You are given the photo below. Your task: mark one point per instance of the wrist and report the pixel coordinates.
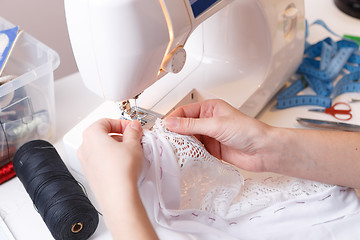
(128, 214)
(118, 203)
(279, 144)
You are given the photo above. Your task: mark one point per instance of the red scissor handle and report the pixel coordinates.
(340, 114)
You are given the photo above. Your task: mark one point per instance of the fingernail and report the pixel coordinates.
(172, 122)
(136, 125)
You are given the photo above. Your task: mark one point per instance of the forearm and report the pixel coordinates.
(326, 156)
(125, 214)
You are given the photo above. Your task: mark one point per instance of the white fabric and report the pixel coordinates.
(189, 194)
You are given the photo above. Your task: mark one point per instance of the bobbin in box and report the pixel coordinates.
(27, 102)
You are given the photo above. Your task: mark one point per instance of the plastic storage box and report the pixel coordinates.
(27, 103)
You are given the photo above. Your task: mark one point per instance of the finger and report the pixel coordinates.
(133, 131)
(191, 110)
(108, 125)
(212, 146)
(117, 137)
(193, 126)
(196, 110)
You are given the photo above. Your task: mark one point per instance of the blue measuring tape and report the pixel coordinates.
(322, 64)
(348, 83)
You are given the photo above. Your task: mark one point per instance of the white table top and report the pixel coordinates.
(74, 102)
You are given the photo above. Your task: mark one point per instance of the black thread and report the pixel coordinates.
(57, 196)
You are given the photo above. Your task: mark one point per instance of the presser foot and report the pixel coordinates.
(146, 117)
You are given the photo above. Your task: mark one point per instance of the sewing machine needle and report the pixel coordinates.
(136, 108)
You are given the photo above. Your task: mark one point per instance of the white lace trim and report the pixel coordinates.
(208, 184)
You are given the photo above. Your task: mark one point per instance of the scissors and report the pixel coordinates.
(337, 111)
(328, 124)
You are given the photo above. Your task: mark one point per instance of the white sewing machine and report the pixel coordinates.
(165, 50)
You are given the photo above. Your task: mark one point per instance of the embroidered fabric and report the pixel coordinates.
(213, 186)
(186, 190)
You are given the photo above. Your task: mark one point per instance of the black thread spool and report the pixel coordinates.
(58, 197)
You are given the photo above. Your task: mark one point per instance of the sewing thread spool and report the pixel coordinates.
(58, 197)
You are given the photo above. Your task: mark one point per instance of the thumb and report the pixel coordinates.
(133, 131)
(190, 126)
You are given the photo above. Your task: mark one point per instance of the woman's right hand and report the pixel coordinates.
(226, 133)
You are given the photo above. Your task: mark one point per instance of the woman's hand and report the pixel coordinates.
(325, 156)
(111, 149)
(111, 157)
(226, 133)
